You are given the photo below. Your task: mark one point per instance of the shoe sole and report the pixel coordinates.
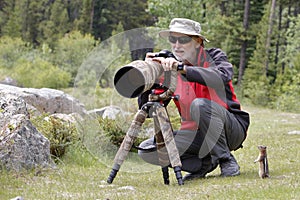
(229, 175)
(192, 177)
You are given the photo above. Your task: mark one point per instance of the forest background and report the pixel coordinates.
(49, 39)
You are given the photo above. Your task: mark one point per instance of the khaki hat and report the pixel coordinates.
(185, 26)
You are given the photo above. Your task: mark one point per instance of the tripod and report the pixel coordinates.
(165, 143)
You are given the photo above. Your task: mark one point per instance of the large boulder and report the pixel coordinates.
(46, 100)
(21, 145)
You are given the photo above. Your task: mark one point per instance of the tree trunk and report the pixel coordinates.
(269, 34)
(223, 8)
(204, 8)
(92, 16)
(279, 29)
(244, 44)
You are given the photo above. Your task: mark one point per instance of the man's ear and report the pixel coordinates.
(199, 42)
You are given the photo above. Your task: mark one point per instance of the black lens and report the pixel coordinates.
(181, 40)
(184, 39)
(172, 39)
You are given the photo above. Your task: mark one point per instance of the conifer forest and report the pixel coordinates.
(49, 39)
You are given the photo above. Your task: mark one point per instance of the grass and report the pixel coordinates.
(81, 176)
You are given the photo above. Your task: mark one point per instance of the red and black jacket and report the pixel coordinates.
(210, 79)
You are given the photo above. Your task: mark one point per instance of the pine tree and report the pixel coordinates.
(32, 15)
(84, 22)
(244, 42)
(12, 21)
(55, 24)
(256, 84)
(285, 93)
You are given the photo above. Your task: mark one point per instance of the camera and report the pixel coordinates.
(139, 76)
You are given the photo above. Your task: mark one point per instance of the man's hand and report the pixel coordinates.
(167, 63)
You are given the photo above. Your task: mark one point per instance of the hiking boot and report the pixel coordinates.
(229, 167)
(193, 176)
(206, 168)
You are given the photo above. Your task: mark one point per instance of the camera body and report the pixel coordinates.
(165, 54)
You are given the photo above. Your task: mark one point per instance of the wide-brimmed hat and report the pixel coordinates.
(185, 26)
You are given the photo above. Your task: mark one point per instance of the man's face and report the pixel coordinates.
(184, 47)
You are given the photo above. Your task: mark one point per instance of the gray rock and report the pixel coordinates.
(110, 112)
(295, 132)
(46, 100)
(72, 118)
(9, 81)
(17, 198)
(21, 145)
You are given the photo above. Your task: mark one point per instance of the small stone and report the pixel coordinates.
(294, 132)
(17, 198)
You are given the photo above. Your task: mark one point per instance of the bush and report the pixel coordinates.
(286, 93)
(39, 73)
(112, 129)
(117, 133)
(258, 91)
(61, 134)
(71, 51)
(11, 49)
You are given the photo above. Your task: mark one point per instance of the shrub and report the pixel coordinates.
(286, 92)
(112, 129)
(11, 49)
(61, 134)
(40, 73)
(116, 133)
(71, 50)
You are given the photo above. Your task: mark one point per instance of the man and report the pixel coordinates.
(212, 122)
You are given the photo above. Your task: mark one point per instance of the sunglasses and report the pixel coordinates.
(181, 40)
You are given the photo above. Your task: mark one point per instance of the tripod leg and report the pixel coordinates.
(113, 173)
(127, 143)
(168, 137)
(165, 172)
(177, 171)
(161, 151)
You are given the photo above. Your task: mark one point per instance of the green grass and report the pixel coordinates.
(80, 176)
